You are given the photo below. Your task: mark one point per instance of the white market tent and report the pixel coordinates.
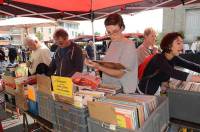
(25, 22)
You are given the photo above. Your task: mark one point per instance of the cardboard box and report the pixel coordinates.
(9, 83)
(103, 112)
(44, 84)
(21, 97)
(21, 102)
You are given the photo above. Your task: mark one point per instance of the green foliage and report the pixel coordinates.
(39, 35)
(159, 38)
(97, 33)
(138, 41)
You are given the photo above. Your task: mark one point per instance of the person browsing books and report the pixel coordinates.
(40, 55)
(161, 67)
(121, 51)
(90, 53)
(68, 58)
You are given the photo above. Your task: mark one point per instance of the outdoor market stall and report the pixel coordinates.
(66, 106)
(70, 103)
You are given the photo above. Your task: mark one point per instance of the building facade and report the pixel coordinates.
(183, 19)
(43, 33)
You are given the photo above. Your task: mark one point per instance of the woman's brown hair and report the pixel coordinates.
(115, 19)
(166, 43)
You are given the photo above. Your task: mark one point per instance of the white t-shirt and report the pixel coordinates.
(40, 55)
(123, 52)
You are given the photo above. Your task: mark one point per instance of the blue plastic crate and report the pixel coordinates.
(72, 128)
(46, 106)
(33, 107)
(71, 113)
(70, 119)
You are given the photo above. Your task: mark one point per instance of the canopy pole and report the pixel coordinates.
(93, 39)
(93, 34)
(26, 32)
(183, 2)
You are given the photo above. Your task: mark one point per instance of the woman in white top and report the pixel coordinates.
(121, 51)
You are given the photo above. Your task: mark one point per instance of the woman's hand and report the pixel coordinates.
(164, 87)
(194, 78)
(91, 64)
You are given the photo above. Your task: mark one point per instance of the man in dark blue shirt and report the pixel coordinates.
(90, 53)
(68, 58)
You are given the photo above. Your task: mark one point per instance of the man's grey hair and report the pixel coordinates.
(29, 38)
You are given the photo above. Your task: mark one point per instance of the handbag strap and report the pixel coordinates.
(148, 77)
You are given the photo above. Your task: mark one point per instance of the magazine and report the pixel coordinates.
(111, 65)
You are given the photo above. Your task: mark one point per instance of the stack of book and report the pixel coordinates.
(130, 111)
(183, 85)
(83, 96)
(85, 79)
(91, 82)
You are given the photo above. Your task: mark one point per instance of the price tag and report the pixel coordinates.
(62, 86)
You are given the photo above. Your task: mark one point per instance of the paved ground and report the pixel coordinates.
(10, 122)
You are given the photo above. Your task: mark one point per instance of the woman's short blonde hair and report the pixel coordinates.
(148, 31)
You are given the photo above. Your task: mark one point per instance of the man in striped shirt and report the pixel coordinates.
(148, 46)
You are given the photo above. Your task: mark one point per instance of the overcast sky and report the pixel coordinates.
(134, 23)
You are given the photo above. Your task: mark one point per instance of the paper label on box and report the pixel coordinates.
(121, 121)
(62, 86)
(31, 92)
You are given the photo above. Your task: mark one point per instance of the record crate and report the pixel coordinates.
(46, 106)
(184, 105)
(156, 122)
(70, 119)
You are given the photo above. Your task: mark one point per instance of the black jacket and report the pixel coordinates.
(71, 62)
(164, 70)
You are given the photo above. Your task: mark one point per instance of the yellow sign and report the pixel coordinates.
(62, 86)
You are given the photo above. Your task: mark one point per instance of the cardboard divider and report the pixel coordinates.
(44, 84)
(103, 112)
(21, 97)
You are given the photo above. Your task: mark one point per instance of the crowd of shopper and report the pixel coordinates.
(146, 68)
(157, 68)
